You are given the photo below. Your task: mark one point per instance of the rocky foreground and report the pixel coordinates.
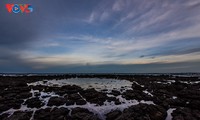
(162, 97)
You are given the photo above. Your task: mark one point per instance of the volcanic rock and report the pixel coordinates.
(83, 114)
(113, 115)
(57, 101)
(52, 114)
(143, 112)
(91, 95)
(34, 103)
(186, 114)
(20, 115)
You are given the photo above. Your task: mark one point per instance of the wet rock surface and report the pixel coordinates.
(13, 96)
(52, 114)
(57, 101)
(136, 94)
(19, 101)
(91, 95)
(34, 102)
(19, 115)
(139, 112)
(113, 115)
(186, 114)
(83, 114)
(76, 98)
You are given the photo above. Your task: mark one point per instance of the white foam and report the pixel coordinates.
(169, 112)
(190, 82)
(173, 81)
(138, 83)
(174, 97)
(148, 93)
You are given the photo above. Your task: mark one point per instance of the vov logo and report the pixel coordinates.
(19, 8)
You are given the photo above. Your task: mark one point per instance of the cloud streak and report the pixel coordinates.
(120, 34)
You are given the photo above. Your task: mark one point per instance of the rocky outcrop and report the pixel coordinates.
(34, 103)
(52, 114)
(113, 115)
(139, 112)
(57, 101)
(83, 114)
(91, 95)
(19, 115)
(186, 114)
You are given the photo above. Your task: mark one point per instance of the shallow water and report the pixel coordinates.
(85, 83)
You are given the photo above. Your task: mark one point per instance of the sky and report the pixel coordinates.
(101, 36)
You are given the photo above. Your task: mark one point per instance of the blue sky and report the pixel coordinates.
(101, 36)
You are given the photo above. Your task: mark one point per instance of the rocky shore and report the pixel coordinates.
(140, 97)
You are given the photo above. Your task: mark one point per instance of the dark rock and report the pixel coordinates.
(20, 115)
(104, 90)
(194, 104)
(38, 87)
(189, 94)
(16, 104)
(143, 112)
(60, 92)
(117, 102)
(51, 89)
(52, 114)
(76, 98)
(10, 103)
(137, 87)
(20, 84)
(34, 103)
(109, 99)
(91, 95)
(81, 102)
(23, 89)
(186, 114)
(10, 96)
(24, 95)
(15, 89)
(78, 109)
(167, 103)
(1, 99)
(44, 81)
(56, 101)
(129, 94)
(69, 102)
(43, 114)
(4, 116)
(4, 107)
(136, 94)
(115, 92)
(67, 89)
(37, 94)
(59, 114)
(83, 114)
(113, 115)
(70, 89)
(162, 92)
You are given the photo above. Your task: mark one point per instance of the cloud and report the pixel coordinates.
(147, 18)
(183, 47)
(114, 33)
